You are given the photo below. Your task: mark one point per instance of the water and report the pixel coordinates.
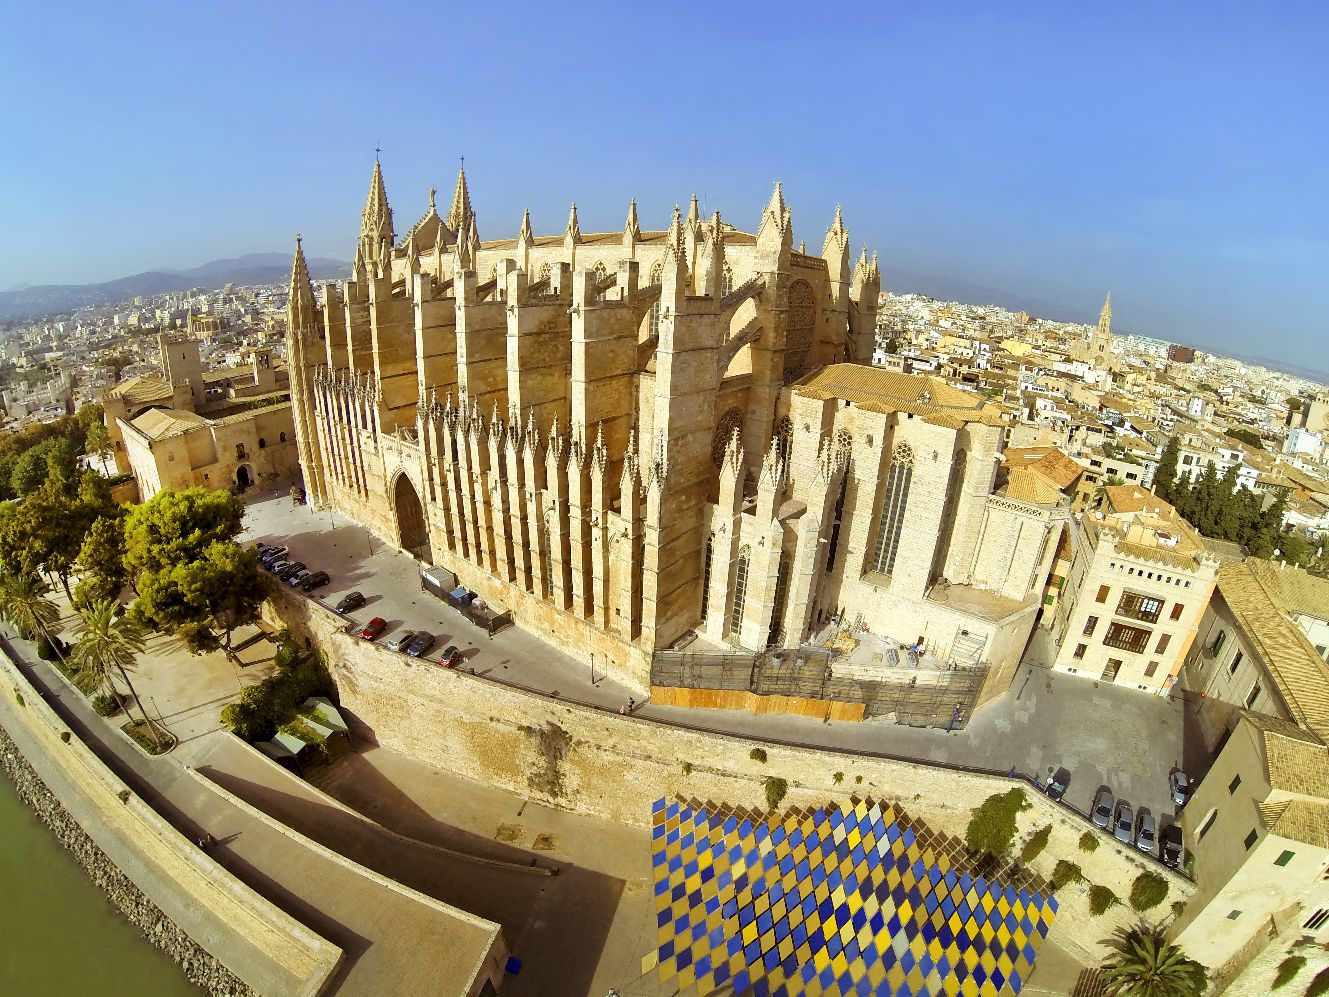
(59, 935)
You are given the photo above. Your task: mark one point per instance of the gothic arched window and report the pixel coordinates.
(740, 590)
(891, 524)
(733, 419)
(784, 434)
(727, 281)
(657, 272)
(706, 573)
(800, 323)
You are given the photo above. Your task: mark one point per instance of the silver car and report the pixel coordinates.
(1102, 813)
(399, 640)
(1125, 830)
(1146, 838)
(1181, 788)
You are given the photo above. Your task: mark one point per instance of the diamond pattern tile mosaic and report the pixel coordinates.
(854, 898)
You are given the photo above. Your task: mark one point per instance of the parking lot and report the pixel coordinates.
(1102, 735)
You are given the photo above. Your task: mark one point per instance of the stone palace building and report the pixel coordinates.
(628, 438)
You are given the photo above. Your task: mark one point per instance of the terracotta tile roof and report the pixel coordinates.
(1049, 462)
(1297, 766)
(880, 390)
(1299, 590)
(1301, 675)
(1301, 820)
(1027, 485)
(142, 389)
(159, 423)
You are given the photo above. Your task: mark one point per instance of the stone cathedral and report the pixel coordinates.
(628, 438)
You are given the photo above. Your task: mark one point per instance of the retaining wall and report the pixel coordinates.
(218, 928)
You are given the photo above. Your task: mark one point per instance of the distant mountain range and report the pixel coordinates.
(252, 268)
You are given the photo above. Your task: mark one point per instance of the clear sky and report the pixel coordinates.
(1175, 154)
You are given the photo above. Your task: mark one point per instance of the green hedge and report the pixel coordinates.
(992, 827)
(1100, 899)
(1148, 891)
(1036, 843)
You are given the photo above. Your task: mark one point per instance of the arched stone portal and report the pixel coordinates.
(412, 533)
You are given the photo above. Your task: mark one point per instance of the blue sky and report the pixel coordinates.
(1174, 154)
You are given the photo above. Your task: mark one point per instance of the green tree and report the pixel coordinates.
(53, 458)
(26, 606)
(992, 826)
(1143, 963)
(1165, 475)
(108, 645)
(97, 443)
(203, 599)
(1251, 439)
(101, 561)
(174, 528)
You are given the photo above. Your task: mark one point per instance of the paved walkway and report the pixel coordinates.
(1104, 736)
(383, 932)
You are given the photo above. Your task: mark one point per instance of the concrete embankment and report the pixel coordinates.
(228, 939)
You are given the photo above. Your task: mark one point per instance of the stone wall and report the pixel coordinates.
(216, 926)
(594, 761)
(199, 967)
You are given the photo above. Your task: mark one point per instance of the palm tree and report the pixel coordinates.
(107, 645)
(1144, 963)
(24, 606)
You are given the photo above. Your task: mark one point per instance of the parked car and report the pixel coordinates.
(290, 569)
(399, 640)
(270, 554)
(451, 656)
(350, 601)
(1171, 842)
(276, 564)
(299, 576)
(420, 644)
(1102, 814)
(373, 628)
(1181, 786)
(1057, 783)
(316, 580)
(1125, 829)
(1146, 838)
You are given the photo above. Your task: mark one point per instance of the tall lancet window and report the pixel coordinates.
(706, 574)
(891, 524)
(657, 274)
(740, 590)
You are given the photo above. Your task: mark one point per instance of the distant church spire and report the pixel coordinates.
(1105, 317)
(461, 205)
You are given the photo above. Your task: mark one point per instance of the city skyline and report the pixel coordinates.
(1067, 157)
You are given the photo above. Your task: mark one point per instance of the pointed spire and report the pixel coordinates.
(376, 220)
(631, 229)
(775, 220)
(573, 232)
(1105, 316)
(525, 235)
(674, 237)
(461, 204)
(300, 307)
(837, 236)
(694, 213)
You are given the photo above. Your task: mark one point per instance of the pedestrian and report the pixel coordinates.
(632, 704)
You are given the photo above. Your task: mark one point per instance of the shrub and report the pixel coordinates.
(65, 736)
(1178, 908)
(18, 698)
(1088, 842)
(1288, 970)
(1064, 873)
(1148, 891)
(263, 708)
(687, 768)
(838, 778)
(992, 827)
(1320, 985)
(1100, 899)
(858, 779)
(758, 755)
(105, 705)
(775, 792)
(1035, 845)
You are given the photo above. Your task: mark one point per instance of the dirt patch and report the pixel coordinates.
(544, 843)
(507, 832)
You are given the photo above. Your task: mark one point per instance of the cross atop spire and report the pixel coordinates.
(461, 203)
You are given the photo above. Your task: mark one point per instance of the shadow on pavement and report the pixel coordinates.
(557, 925)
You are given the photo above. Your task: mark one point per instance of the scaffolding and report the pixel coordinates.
(920, 697)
